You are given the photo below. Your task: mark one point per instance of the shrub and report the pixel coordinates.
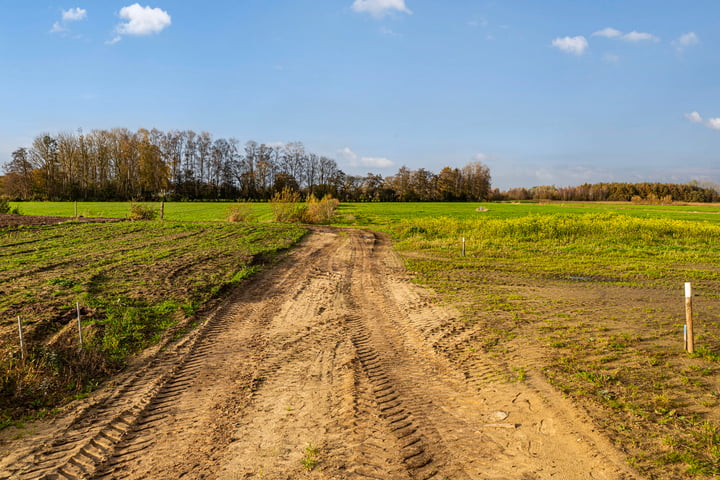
(287, 206)
(6, 208)
(142, 212)
(321, 211)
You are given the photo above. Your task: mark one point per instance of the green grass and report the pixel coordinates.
(174, 211)
(381, 214)
(387, 214)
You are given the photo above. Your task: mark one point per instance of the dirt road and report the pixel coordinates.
(326, 366)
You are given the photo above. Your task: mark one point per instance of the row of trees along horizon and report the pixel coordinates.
(120, 164)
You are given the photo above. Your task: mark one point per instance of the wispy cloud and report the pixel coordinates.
(380, 8)
(611, 58)
(353, 160)
(573, 45)
(68, 16)
(686, 40)
(376, 162)
(140, 21)
(633, 36)
(347, 155)
(388, 31)
(640, 37)
(608, 32)
(58, 28)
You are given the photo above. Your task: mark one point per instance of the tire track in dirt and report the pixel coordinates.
(327, 366)
(109, 427)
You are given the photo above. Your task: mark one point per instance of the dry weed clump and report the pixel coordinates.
(242, 213)
(321, 211)
(139, 211)
(287, 206)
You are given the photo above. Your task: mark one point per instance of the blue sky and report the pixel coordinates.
(544, 92)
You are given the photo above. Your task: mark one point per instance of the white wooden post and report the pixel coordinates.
(77, 305)
(22, 340)
(690, 342)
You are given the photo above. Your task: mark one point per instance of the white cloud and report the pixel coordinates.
(352, 160)
(713, 123)
(686, 40)
(114, 40)
(640, 37)
(142, 20)
(57, 28)
(633, 36)
(380, 162)
(347, 155)
(694, 117)
(481, 157)
(574, 45)
(71, 15)
(379, 8)
(74, 14)
(608, 32)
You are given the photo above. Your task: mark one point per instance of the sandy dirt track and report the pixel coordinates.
(329, 360)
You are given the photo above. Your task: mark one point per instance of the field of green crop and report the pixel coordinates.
(174, 211)
(378, 214)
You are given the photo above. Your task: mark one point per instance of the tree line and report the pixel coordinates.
(120, 164)
(645, 192)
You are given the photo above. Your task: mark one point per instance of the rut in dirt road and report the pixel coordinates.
(317, 368)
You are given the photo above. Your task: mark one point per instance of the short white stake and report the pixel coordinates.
(77, 305)
(690, 342)
(22, 340)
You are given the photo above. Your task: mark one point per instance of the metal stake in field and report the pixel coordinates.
(22, 340)
(77, 305)
(690, 339)
(463, 246)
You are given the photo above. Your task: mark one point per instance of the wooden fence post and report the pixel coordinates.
(77, 305)
(463, 246)
(690, 339)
